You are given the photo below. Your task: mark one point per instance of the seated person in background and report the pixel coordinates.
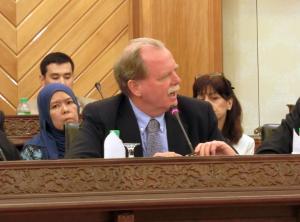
(7, 149)
(146, 74)
(57, 67)
(217, 90)
(57, 105)
(281, 141)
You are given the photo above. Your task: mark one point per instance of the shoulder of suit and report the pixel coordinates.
(85, 100)
(193, 102)
(106, 105)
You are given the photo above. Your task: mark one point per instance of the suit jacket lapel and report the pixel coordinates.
(128, 126)
(176, 140)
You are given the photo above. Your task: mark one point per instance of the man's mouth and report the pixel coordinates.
(173, 90)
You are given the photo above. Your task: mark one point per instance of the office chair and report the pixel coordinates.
(267, 130)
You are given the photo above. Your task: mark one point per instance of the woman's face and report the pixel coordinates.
(219, 104)
(62, 110)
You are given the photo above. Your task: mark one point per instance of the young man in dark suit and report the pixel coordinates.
(57, 67)
(146, 74)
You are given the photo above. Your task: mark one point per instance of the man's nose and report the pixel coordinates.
(62, 80)
(176, 77)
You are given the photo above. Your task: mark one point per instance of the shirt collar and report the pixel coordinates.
(143, 119)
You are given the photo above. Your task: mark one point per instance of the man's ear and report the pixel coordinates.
(43, 80)
(134, 87)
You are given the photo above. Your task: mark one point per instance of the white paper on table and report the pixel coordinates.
(296, 143)
(113, 147)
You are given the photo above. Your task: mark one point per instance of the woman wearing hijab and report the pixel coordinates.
(218, 91)
(57, 105)
(7, 150)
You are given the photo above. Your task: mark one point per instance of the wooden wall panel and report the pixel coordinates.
(8, 34)
(24, 8)
(191, 29)
(50, 34)
(8, 10)
(8, 88)
(102, 67)
(94, 32)
(8, 60)
(39, 19)
(103, 37)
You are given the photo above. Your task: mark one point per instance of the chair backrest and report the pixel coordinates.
(267, 130)
(71, 130)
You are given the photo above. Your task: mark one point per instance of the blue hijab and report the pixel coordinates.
(50, 139)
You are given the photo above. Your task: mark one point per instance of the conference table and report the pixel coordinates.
(241, 188)
(19, 129)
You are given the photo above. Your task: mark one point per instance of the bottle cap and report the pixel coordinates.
(117, 132)
(23, 100)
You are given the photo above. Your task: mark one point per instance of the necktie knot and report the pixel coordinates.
(153, 126)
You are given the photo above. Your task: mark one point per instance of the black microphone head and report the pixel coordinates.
(98, 86)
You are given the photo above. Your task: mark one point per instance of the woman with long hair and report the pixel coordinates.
(218, 91)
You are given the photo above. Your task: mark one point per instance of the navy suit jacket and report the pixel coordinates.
(116, 112)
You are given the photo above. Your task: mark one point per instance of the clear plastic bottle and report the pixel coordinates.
(23, 107)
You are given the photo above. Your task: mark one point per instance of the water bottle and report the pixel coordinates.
(113, 146)
(23, 107)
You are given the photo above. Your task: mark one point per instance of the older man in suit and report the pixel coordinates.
(146, 74)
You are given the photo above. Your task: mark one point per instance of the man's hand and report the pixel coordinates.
(214, 148)
(166, 154)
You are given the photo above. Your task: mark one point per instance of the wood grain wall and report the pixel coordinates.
(94, 32)
(191, 29)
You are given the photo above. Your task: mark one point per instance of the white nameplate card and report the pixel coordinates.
(296, 143)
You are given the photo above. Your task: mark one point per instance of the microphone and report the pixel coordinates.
(98, 87)
(175, 112)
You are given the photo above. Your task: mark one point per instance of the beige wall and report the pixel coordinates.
(261, 55)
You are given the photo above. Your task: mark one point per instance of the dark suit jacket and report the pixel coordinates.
(116, 112)
(281, 140)
(9, 151)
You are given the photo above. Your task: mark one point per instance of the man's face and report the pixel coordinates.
(58, 73)
(158, 91)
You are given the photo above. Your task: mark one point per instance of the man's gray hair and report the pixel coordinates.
(131, 65)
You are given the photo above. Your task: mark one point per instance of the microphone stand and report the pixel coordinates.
(98, 87)
(175, 112)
